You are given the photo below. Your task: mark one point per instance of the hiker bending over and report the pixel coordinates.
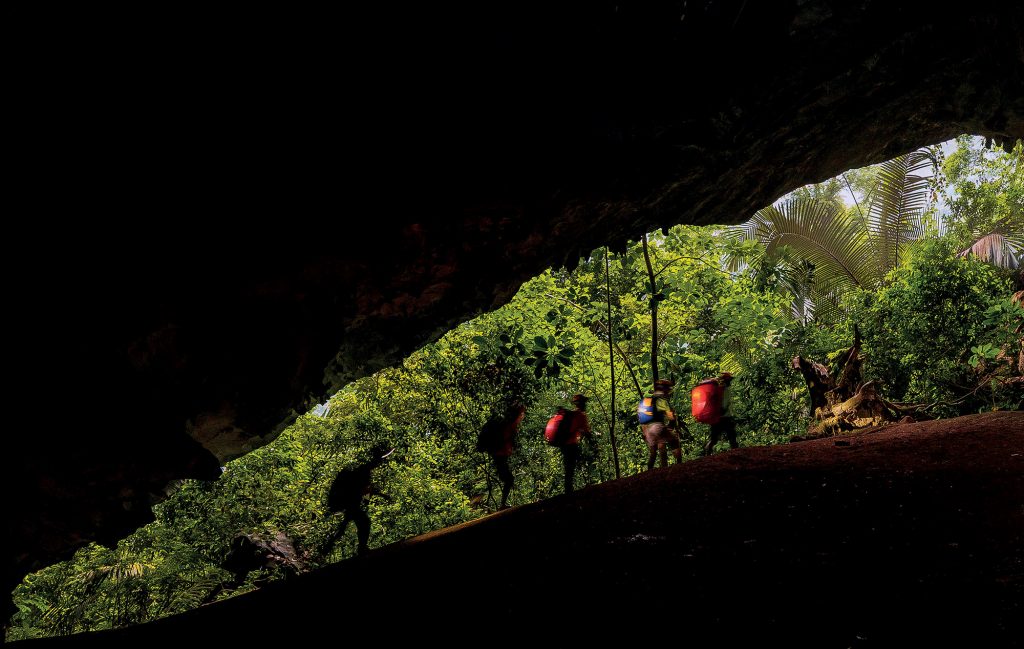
(249, 552)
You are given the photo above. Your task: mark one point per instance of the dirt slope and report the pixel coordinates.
(912, 535)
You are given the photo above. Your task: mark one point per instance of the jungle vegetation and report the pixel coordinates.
(922, 254)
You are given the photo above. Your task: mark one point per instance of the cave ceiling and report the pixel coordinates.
(227, 217)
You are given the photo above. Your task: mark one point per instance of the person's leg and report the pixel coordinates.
(652, 445)
(507, 479)
(709, 448)
(651, 435)
(730, 431)
(570, 454)
(333, 541)
(362, 521)
(677, 452)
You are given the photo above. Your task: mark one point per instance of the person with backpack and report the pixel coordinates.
(346, 496)
(564, 431)
(725, 424)
(498, 439)
(658, 424)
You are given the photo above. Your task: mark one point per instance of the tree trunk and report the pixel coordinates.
(611, 359)
(849, 403)
(654, 313)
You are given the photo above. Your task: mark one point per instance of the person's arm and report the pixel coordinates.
(662, 405)
(367, 480)
(584, 424)
(510, 435)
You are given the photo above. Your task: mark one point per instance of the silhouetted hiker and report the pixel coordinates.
(660, 432)
(347, 493)
(578, 426)
(726, 425)
(498, 439)
(250, 552)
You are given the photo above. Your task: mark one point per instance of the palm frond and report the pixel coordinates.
(797, 279)
(1012, 228)
(731, 362)
(834, 249)
(128, 570)
(734, 258)
(193, 595)
(824, 235)
(814, 248)
(898, 203)
(995, 249)
(828, 306)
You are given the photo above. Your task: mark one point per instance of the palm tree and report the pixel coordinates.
(819, 249)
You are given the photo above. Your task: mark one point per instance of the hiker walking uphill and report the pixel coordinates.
(498, 439)
(716, 410)
(658, 424)
(565, 430)
(347, 493)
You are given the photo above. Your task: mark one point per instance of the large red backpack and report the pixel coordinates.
(559, 428)
(706, 399)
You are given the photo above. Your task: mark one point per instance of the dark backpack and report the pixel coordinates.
(348, 488)
(559, 428)
(490, 437)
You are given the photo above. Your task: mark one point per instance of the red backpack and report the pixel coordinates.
(706, 399)
(559, 428)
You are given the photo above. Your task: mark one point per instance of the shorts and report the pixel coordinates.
(657, 433)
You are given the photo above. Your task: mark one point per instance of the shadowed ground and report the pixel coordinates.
(910, 535)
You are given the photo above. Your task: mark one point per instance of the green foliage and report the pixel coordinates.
(815, 248)
(938, 329)
(981, 353)
(919, 330)
(150, 574)
(985, 194)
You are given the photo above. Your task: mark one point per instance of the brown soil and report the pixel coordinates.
(911, 535)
